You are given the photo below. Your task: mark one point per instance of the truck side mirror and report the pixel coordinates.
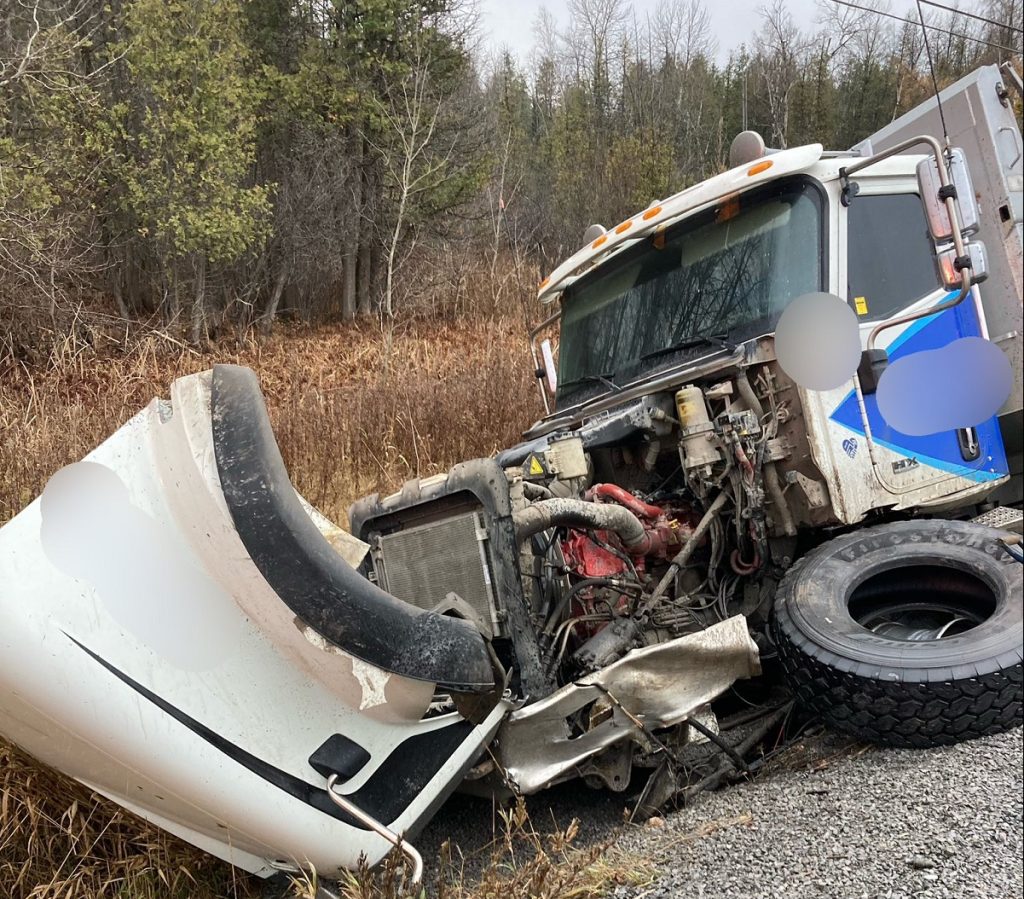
(933, 196)
(950, 265)
(869, 372)
(550, 371)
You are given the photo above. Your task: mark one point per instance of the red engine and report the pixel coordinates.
(602, 555)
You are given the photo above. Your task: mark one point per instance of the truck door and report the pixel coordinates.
(891, 270)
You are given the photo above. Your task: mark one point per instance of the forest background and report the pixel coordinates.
(211, 168)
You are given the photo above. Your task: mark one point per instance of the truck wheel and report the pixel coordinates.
(908, 634)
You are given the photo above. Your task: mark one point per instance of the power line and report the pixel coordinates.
(971, 15)
(958, 34)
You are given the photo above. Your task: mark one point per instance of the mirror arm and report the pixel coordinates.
(965, 289)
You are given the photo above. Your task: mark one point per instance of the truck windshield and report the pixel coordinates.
(724, 274)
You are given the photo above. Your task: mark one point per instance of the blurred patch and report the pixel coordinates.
(959, 385)
(817, 341)
(147, 581)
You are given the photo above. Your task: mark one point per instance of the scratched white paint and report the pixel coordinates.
(373, 681)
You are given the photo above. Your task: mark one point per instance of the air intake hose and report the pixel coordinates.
(578, 513)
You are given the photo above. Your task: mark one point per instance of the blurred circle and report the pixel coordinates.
(817, 341)
(959, 385)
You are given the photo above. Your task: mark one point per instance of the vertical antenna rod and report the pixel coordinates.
(931, 69)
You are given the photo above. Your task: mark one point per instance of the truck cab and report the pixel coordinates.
(690, 291)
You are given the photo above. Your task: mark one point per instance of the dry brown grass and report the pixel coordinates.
(59, 841)
(521, 863)
(350, 417)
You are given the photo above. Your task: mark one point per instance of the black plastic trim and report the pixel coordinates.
(305, 571)
(399, 779)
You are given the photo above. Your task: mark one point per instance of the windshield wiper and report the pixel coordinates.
(593, 379)
(718, 340)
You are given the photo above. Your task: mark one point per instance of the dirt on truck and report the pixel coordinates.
(780, 463)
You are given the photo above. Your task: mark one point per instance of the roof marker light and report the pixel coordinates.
(625, 226)
(762, 166)
(651, 213)
(599, 241)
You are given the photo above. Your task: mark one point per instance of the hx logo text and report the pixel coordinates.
(902, 465)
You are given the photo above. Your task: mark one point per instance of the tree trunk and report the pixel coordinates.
(174, 300)
(376, 274)
(348, 281)
(198, 328)
(267, 319)
(365, 278)
(350, 295)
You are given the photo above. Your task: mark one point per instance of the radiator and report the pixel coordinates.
(421, 565)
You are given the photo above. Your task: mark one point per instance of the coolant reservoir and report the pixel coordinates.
(695, 444)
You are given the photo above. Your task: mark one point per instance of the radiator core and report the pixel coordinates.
(421, 565)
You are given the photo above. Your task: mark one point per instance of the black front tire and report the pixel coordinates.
(905, 692)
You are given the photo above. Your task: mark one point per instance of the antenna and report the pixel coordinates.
(931, 69)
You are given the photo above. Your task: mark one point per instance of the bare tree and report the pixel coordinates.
(34, 34)
(595, 29)
(682, 30)
(413, 166)
(783, 48)
(47, 229)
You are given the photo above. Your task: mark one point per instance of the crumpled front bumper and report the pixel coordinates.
(657, 686)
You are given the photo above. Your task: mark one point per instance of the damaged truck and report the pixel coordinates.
(181, 632)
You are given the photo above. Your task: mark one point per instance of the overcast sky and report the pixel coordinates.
(510, 22)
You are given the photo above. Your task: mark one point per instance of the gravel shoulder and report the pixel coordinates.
(828, 820)
(863, 824)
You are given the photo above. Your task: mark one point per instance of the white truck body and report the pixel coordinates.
(179, 634)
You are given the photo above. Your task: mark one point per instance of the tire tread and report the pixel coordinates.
(898, 713)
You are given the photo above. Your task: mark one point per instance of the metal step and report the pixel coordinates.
(1002, 518)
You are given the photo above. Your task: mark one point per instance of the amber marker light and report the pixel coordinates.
(762, 166)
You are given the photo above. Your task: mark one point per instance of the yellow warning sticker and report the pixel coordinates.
(535, 466)
(862, 305)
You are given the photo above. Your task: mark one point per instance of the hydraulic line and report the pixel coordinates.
(771, 473)
(577, 588)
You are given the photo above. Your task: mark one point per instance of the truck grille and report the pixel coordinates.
(421, 565)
